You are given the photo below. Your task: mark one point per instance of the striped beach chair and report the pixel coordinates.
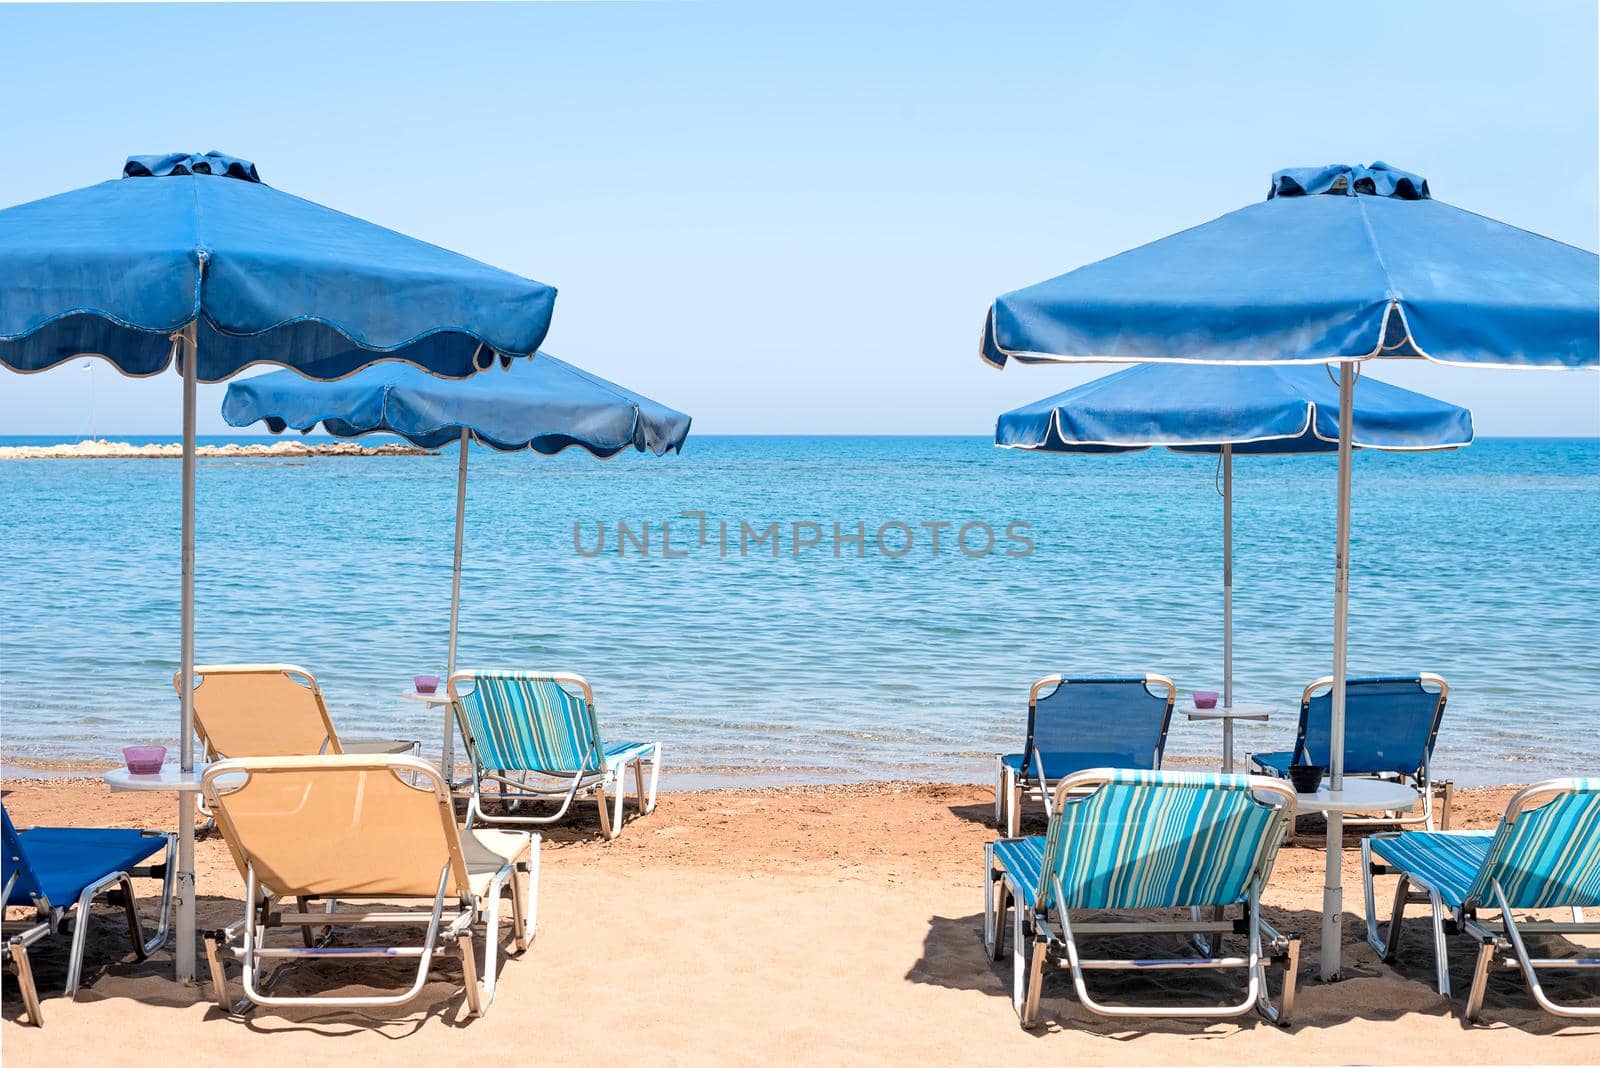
(1390, 725)
(534, 737)
(1078, 724)
(1136, 841)
(1544, 855)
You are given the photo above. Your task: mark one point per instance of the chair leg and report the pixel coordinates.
(1030, 1001)
(469, 973)
(1000, 791)
(655, 778)
(80, 924)
(530, 911)
(1441, 961)
(135, 928)
(1020, 943)
(1480, 979)
(1014, 806)
(616, 820)
(17, 956)
(605, 811)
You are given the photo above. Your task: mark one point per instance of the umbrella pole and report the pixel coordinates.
(1333, 893)
(184, 945)
(448, 762)
(1227, 603)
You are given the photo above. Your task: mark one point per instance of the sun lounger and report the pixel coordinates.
(1544, 855)
(1077, 724)
(1135, 841)
(534, 737)
(258, 710)
(370, 829)
(1390, 725)
(58, 872)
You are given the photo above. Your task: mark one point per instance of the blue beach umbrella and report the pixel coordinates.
(1259, 410)
(1340, 263)
(194, 260)
(544, 405)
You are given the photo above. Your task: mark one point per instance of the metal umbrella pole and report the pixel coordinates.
(1227, 591)
(183, 889)
(447, 761)
(1332, 891)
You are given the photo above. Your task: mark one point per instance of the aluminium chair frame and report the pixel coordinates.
(50, 918)
(1500, 941)
(1037, 936)
(513, 790)
(449, 928)
(1421, 778)
(1010, 790)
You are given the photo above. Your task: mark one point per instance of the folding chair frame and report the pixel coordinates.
(1499, 940)
(514, 789)
(1421, 779)
(449, 929)
(50, 919)
(1038, 938)
(1011, 789)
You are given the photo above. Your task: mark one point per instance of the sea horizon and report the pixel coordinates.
(780, 660)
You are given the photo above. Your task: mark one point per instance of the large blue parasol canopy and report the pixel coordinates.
(1261, 409)
(117, 269)
(543, 404)
(1340, 262)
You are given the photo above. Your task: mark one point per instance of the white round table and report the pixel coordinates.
(1358, 795)
(168, 779)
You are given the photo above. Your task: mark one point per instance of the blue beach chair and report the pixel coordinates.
(535, 738)
(1544, 855)
(1390, 724)
(1077, 724)
(1145, 840)
(58, 872)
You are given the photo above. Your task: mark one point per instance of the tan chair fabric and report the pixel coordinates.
(261, 710)
(348, 826)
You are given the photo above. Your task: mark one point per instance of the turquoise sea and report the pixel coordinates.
(821, 661)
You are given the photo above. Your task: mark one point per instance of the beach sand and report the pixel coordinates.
(816, 924)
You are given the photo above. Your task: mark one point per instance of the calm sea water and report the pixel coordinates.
(1483, 566)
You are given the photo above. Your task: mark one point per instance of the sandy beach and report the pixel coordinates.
(819, 924)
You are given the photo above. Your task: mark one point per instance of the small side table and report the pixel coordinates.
(169, 780)
(1228, 716)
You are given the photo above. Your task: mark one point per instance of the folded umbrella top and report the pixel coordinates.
(1255, 409)
(115, 269)
(1339, 262)
(544, 404)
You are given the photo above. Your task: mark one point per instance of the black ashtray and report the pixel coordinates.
(1306, 777)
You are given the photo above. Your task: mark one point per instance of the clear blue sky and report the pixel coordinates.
(789, 218)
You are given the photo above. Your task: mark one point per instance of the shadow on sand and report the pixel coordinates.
(953, 957)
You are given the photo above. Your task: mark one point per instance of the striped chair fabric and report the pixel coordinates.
(1150, 839)
(518, 723)
(1547, 857)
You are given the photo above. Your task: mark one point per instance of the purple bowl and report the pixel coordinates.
(144, 759)
(1205, 699)
(426, 683)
